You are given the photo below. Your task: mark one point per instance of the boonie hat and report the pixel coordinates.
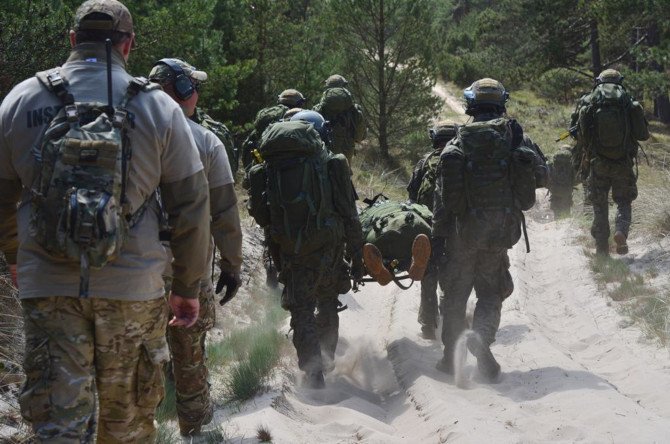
(162, 73)
(121, 20)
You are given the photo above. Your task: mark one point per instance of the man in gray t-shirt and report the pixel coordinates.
(187, 347)
(107, 349)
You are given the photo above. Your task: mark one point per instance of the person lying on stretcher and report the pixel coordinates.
(397, 240)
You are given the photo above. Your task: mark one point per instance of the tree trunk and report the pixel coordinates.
(661, 102)
(381, 81)
(596, 62)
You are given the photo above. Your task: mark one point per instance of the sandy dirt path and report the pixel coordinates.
(572, 370)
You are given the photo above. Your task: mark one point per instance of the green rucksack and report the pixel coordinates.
(392, 227)
(561, 172)
(290, 191)
(222, 132)
(426, 192)
(482, 172)
(80, 212)
(605, 122)
(345, 117)
(264, 118)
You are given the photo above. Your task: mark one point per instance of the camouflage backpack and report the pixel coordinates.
(222, 132)
(483, 173)
(345, 117)
(611, 122)
(80, 212)
(290, 191)
(392, 227)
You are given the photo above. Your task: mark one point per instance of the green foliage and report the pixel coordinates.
(391, 64)
(561, 85)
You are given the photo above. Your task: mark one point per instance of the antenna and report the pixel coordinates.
(110, 103)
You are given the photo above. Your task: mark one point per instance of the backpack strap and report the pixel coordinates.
(56, 84)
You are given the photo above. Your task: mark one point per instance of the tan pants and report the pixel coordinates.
(76, 348)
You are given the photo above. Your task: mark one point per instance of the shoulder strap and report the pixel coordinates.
(56, 84)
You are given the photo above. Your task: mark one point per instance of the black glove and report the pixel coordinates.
(517, 133)
(232, 283)
(357, 268)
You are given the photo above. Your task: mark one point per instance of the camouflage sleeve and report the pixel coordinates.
(225, 227)
(415, 181)
(10, 193)
(345, 203)
(187, 205)
(249, 144)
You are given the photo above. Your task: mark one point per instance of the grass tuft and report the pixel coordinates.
(652, 312)
(247, 377)
(263, 434)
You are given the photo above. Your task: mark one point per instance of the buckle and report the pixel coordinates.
(120, 118)
(71, 113)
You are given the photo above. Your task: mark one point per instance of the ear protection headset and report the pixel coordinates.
(182, 84)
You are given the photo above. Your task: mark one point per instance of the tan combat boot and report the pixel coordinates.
(374, 265)
(420, 257)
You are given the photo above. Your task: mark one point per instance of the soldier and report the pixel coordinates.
(308, 208)
(108, 346)
(346, 118)
(187, 346)
(421, 189)
(561, 181)
(610, 124)
(487, 177)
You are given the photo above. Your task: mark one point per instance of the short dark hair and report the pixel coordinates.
(100, 35)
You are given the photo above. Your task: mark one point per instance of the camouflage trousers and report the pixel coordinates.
(487, 271)
(80, 350)
(189, 369)
(428, 308)
(620, 178)
(312, 282)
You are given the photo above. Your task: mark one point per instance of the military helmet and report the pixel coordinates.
(335, 81)
(485, 92)
(291, 97)
(442, 131)
(609, 76)
(320, 124)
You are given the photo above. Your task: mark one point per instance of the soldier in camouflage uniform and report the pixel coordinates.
(421, 189)
(314, 281)
(187, 346)
(103, 354)
(347, 126)
(478, 241)
(605, 173)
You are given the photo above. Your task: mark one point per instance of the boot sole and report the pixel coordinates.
(420, 257)
(374, 265)
(621, 246)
